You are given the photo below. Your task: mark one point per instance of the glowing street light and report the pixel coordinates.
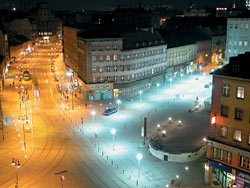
(118, 102)
(140, 92)
(158, 126)
(170, 80)
(200, 68)
(113, 131)
(93, 115)
(164, 133)
(158, 85)
(139, 157)
(169, 119)
(179, 122)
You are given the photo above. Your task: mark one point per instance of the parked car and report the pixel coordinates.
(109, 111)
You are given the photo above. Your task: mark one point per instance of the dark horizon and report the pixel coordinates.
(112, 4)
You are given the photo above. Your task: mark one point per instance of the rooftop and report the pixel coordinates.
(238, 67)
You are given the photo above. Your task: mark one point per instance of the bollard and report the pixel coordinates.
(137, 183)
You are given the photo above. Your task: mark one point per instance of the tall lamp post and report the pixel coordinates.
(140, 92)
(18, 165)
(139, 157)
(158, 85)
(93, 115)
(118, 102)
(22, 117)
(113, 131)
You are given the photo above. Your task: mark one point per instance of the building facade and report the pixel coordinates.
(228, 150)
(238, 37)
(115, 65)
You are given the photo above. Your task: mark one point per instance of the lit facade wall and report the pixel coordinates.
(238, 37)
(228, 148)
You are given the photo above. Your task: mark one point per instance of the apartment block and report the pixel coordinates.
(228, 150)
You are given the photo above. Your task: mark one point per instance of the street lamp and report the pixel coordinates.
(158, 126)
(113, 131)
(140, 92)
(164, 133)
(118, 102)
(158, 85)
(22, 117)
(170, 80)
(179, 122)
(169, 119)
(18, 165)
(93, 115)
(139, 157)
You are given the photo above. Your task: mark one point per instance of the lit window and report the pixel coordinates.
(223, 132)
(101, 69)
(115, 78)
(245, 43)
(115, 58)
(128, 78)
(122, 58)
(225, 90)
(108, 47)
(94, 69)
(240, 43)
(128, 57)
(247, 26)
(107, 57)
(101, 79)
(115, 47)
(237, 135)
(238, 114)
(133, 76)
(240, 92)
(94, 79)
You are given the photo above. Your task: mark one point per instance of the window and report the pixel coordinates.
(108, 78)
(101, 69)
(94, 79)
(240, 92)
(224, 110)
(249, 138)
(115, 58)
(115, 47)
(93, 58)
(128, 57)
(107, 57)
(237, 135)
(240, 43)
(115, 68)
(241, 26)
(128, 78)
(245, 43)
(101, 58)
(223, 132)
(122, 67)
(107, 47)
(115, 78)
(122, 78)
(238, 114)
(108, 68)
(93, 47)
(133, 76)
(101, 79)
(93, 69)
(128, 67)
(225, 90)
(246, 26)
(221, 154)
(122, 57)
(244, 162)
(100, 47)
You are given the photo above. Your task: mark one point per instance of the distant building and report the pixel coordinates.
(228, 150)
(238, 36)
(248, 4)
(112, 64)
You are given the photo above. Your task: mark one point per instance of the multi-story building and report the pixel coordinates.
(238, 36)
(115, 64)
(228, 150)
(248, 4)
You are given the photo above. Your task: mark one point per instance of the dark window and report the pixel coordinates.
(238, 114)
(224, 110)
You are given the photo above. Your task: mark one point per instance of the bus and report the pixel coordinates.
(26, 75)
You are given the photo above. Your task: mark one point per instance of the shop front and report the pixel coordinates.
(96, 92)
(222, 173)
(242, 179)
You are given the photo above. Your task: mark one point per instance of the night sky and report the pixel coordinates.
(111, 4)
